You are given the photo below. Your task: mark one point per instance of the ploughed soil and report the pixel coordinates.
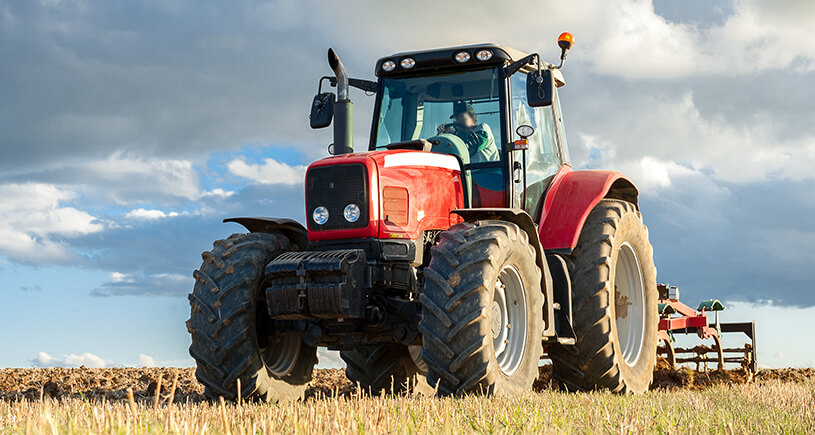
(180, 383)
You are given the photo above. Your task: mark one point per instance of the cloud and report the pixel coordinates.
(138, 284)
(218, 193)
(329, 359)
(31, 288)
(35, 223)
(146, 361)
(123, 179)
(673, 135)
(141, 213)
(85, 359)
(268, 172)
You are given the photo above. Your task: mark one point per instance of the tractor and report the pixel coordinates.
(458, 249)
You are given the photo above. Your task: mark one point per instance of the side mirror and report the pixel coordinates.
(540, 88)
(322, 110)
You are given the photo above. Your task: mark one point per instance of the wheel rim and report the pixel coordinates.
(508, 320)
(629, 307)
(281, 357)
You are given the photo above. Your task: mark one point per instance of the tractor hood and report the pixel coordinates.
(393, 194)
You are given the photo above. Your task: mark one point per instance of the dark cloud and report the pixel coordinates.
(157, 257)
(750, 244)
(82, 80)
(159, 81)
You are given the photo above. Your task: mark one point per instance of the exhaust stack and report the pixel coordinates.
(343, 108)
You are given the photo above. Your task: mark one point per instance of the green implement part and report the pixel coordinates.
(666, 309)
(710, 305)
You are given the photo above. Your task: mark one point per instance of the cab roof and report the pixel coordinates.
(444, 59)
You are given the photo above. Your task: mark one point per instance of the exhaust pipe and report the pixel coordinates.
(343, 108)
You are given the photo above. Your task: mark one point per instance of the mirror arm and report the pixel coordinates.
(518, 64)
(364, 85)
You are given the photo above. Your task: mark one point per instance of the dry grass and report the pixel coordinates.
(765, 406)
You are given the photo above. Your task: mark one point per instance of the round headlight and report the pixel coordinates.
(351, 212)
(462, 56)
(407, 63)
(388, 65)
(483, 55)
(320, 215)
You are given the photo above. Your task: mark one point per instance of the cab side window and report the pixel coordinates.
(542, 157)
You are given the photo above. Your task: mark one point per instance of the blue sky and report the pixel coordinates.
(129, 130)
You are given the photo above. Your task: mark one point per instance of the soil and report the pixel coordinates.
(112, 383)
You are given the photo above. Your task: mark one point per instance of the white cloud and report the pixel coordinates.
(86, 359)
(217, 193)
(329, 359)
(674, 137)
(638, 43)
(134, 284)
(33, 220)
(269, 172)
(146, 361)
(141, 213)
(138, 179)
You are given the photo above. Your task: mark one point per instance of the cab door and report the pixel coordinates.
(543, 159)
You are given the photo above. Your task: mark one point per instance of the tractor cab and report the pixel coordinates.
(472, 102)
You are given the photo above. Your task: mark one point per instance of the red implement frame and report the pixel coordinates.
(684, 319)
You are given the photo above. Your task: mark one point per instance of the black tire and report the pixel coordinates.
(458, 310)
(384, 367)
(227, 309)
(599, 359)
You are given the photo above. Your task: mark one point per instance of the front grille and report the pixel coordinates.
(334, 187)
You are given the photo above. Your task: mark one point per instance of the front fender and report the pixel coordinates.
(570, 200)
(288, 227)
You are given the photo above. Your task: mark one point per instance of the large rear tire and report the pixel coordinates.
(482, 319)
(614, 296)
(384, 367)
(229, 325)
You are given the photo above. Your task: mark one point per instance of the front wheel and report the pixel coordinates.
(482, 307)
(614, 295)
(230, 325)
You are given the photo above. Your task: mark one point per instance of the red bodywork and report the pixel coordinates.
(570, 199)
(433, 192)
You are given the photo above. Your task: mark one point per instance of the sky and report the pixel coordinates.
(129, 130)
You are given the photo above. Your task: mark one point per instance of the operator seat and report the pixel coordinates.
(488, 188)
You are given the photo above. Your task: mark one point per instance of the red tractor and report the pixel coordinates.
(456, 248)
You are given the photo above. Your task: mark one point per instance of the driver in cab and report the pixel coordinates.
(478, 137)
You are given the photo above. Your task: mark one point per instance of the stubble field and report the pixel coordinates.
(99, 400)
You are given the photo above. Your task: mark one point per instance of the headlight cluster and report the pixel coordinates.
(463, 56)
(350, 213)
(482, 55)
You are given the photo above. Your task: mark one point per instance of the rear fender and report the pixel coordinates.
(570, 200)
(524, 221)
(288, 227)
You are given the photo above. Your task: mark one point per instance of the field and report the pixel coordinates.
(124, 401)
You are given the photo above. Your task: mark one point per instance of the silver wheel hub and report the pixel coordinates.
(508, 320)
(280, 357)
(629, 304)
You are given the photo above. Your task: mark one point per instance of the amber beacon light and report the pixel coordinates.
(565, 41)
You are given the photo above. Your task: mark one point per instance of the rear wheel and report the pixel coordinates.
(614, 296)
(482, 306)
(385, 367)
(230, 326)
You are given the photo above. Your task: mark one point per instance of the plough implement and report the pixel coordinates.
(676, 318)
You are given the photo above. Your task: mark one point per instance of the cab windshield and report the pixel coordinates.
(458, 113)
(424, 107)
